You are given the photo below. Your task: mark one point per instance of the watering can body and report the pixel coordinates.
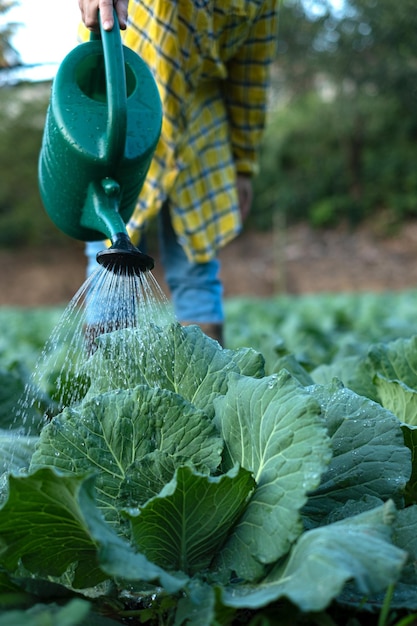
(102, 127)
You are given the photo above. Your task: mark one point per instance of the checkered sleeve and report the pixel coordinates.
(247, 85)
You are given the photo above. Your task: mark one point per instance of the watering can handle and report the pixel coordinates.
(116, 90)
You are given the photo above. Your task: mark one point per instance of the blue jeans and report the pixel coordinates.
(196, 289)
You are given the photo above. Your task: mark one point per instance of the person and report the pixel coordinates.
(211, 62)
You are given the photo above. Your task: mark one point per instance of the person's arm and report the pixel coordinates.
(246, 89)
(244, 194)
(89, 13)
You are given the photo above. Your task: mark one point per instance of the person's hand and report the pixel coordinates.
(244, 194)
(89, 13)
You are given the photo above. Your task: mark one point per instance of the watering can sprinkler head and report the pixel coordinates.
(123, 256)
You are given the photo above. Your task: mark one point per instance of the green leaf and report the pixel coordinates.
(185, 525)
(13, 594)
(133, 440)
(16, 451)
(183, 360)
(13, 383)
(398, 398)
(395, 376)
(354, 372)
(404, 593)
(22, 590)
(294, 367)
(11, 389)
(75, 613)
(273, 428)
(405, 537)
(42, 524)
(116, 556)
(410, 440)
(197, 607)
(324, 559)
(7, 586)
(396, 360)
(51, 522)
(369, 457)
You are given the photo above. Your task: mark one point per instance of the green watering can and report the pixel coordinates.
(102, 127)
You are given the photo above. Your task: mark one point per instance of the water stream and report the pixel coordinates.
(107, 301)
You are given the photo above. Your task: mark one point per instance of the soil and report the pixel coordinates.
(292, 260)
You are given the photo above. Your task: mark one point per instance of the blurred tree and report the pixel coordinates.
(365, 45)
(297, 61)
(23, 220)
(346, 146)
(9, 57)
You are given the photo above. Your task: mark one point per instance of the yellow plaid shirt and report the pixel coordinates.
(210, 59)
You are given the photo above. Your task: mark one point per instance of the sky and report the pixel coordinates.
(48, 31)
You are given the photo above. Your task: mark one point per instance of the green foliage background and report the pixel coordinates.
(23, 220)
(341, 141)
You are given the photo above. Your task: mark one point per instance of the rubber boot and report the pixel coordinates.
(215, 331)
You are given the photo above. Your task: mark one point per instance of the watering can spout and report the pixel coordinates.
(102, 210)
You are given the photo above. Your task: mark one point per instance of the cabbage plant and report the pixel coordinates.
(187, 486)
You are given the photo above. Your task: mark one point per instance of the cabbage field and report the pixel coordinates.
(273, 482)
